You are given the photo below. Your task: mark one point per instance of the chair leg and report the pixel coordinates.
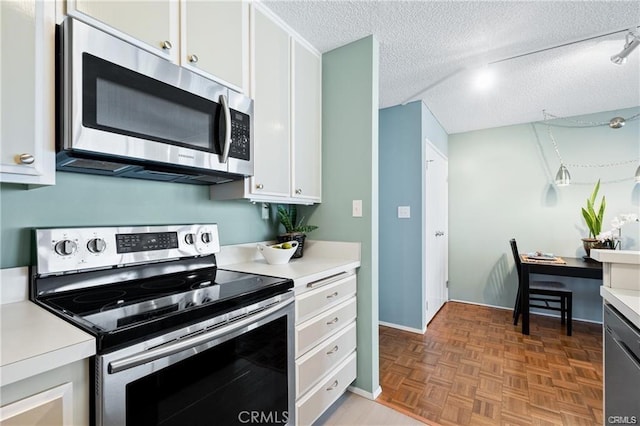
(516, 309)
(569, 314)
(563, 309)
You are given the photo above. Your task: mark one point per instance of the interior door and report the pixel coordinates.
(436, 231)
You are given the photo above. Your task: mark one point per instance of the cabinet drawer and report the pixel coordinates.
(313, 302)
(309, 408)
(313, 365)
(313, 331)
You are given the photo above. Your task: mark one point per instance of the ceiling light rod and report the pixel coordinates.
(558, 46)
(459, 70)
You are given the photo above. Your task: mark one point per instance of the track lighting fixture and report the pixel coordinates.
(563, 178)
(632, 41)
(638, 174)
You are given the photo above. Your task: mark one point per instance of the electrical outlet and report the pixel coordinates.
(356, 208)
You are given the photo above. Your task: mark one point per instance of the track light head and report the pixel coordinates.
(632, 41)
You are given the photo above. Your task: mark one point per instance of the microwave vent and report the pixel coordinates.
(98, 165)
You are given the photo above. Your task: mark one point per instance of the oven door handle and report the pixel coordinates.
(183, 344)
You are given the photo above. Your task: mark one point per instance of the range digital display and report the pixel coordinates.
(131, 243)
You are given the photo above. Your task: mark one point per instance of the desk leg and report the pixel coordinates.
(524, 298)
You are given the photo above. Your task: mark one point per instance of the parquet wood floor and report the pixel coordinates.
(474, 367)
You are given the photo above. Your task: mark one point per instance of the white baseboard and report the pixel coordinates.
(402, 327)
(535, 313)
(365, 394)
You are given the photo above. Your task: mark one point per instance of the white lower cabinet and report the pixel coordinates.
(325, 339)
(52, 407)
(318, 399)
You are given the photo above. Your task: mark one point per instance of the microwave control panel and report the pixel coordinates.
(240, 136)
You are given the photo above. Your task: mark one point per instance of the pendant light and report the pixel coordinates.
(638, 174)
(563, 178)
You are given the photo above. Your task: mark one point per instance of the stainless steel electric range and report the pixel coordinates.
(178, 340)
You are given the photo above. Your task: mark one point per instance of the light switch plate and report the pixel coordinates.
(356, 208)
(404, 212)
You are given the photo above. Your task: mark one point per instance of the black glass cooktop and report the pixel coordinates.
(139, 308)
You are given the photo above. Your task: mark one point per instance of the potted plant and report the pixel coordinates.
(294, 228)
(593, 218)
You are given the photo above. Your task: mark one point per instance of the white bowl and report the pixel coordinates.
(277, 256)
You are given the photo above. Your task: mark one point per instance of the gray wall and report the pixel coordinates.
(501, 187)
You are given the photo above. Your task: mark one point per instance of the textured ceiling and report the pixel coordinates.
(432, 50)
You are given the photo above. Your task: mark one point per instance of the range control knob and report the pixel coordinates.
(206, 237)
(65, 247)
(190, 238)
(96, 245)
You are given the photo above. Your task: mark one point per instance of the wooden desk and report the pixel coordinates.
(575, 267)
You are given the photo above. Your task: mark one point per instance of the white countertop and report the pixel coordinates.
(33, 341)
(627, 302)
(320, 259)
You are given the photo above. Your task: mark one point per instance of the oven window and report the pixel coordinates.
(241, 381)
(122, 101)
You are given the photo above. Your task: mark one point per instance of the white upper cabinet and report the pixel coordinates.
(208, 37)
(215, 39)
(271, 95)
(154, 23)
(307, 125)
(286, 78)
(27, 141)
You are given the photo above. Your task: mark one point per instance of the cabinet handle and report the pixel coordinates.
(333, 350)
(299, 191)
(166, 45)
(331, 296)
(333, 386)
(333, 321)
(259, 186)
(193, 59)
(25, 159)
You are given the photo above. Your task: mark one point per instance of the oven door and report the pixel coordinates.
(203, 375)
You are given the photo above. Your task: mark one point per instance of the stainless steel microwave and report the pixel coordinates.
(123, 111)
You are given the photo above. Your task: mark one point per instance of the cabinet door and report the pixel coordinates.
(271, 94)
(154, 23)
(52, 407)
(215, 40)
(27, 149)
(306, 144)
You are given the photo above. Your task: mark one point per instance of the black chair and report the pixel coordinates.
(549, 293)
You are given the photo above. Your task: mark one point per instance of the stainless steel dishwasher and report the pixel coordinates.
(622, 369)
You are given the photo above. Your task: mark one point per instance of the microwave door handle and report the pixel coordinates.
(227, 130)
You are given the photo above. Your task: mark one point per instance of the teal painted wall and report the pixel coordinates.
(401, 292)
(500, 187)
(87, 200)
(403, 131)
(350, 172)
(433, 130)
